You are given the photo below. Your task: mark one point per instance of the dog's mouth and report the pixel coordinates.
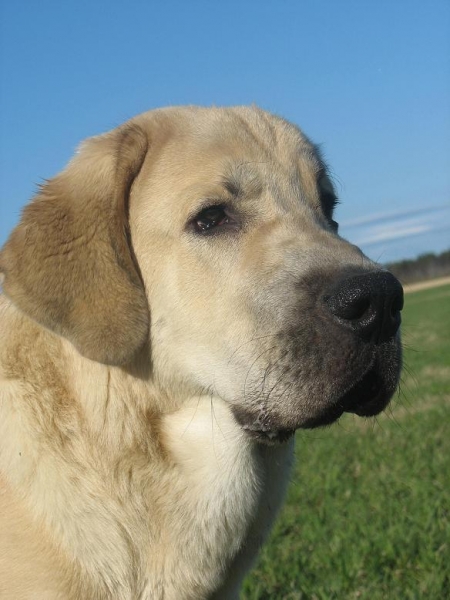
(261, 428)
(365, 398)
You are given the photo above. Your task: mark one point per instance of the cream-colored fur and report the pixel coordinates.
(151, 509)
(131, 344)
(115, 504)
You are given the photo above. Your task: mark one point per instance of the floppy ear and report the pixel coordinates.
(69, 264)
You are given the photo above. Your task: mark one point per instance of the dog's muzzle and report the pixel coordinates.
(347, 354)
(368, 305)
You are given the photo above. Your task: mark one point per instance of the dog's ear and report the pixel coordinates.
(69, 264)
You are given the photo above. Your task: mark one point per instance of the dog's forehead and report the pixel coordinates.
(240, 152)
(252, 143)
(255, 136)
(247, 134)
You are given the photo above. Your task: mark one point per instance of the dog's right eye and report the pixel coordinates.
(334, 225)
(211, 218)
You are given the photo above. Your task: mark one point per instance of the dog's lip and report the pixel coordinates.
(259, 428)
(363, 398)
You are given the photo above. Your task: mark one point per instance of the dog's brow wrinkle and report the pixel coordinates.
(242, 179)
(232, 186)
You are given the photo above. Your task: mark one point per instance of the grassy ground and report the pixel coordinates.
(368, 510)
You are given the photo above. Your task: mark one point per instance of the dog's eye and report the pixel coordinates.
(334, 225)
(210, 218)
(328, 201)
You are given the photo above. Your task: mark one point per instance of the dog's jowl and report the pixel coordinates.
(176, 304)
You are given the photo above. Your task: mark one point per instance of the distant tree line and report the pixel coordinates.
(425, 266)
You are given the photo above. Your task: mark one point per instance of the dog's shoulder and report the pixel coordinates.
(30, 564)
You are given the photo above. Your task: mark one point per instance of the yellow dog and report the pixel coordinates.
(176, 303)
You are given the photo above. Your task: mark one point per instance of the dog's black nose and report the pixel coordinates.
(369, 304)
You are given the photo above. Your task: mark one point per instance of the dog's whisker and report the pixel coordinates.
(252, 340)
(192, 418)
(257, 394)
(252, 365)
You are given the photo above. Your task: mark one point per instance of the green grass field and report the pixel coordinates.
(367, 514)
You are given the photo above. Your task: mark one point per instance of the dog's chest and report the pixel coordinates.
(221, 496)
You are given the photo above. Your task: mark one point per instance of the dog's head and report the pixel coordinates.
(209, 233)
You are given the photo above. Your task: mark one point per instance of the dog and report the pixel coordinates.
(176, 303)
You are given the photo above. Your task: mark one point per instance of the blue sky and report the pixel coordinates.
(370, 81)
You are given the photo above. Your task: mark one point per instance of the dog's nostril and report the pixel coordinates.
(397, 304)
(369, 304)
(360, 308)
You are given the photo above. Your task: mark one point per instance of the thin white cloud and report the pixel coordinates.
(393, 215)
(391, 234)
(398, 228)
